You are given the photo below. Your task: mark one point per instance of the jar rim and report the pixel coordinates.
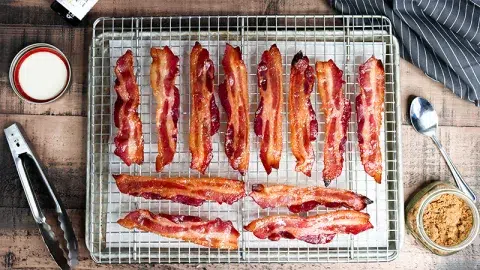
(475, 216)
(26, 50)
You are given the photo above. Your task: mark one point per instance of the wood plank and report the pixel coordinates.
(36, 12)
(60, 144)
(67, 156)
(72, 41)
(17, 254)
(452, 111)
(422, 162)
(75, 41)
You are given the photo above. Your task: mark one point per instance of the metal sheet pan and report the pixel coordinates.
(348, 40)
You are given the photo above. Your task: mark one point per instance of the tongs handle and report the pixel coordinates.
(27, 187)
(22, 152)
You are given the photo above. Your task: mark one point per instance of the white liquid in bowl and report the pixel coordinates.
(42, 75)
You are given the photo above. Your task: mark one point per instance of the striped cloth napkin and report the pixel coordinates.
(442, 37)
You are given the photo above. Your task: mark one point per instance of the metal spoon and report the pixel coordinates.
(425, 121)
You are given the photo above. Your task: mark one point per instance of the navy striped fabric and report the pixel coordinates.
(442, 37)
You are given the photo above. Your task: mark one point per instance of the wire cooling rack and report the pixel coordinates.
(348, 40)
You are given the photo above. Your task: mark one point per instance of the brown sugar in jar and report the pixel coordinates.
(447, 220)
(442, 218)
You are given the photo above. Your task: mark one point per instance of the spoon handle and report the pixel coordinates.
(456, 174)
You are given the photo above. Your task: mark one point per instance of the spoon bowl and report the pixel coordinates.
(423, 116)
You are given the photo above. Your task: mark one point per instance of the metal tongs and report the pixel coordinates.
(21, 152)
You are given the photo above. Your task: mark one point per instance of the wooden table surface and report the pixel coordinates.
(58, 130)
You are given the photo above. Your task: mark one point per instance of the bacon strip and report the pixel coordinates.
(129, 139)
(268, 118)
(163, 71)
(303, 123)
(204, 117)
(370, 106)
(337, 110)
(233, 94)
(190, 191)
(318, 229)
(208, 233)
(303, 199)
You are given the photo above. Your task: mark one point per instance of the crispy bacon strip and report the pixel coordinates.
(204, 117)
(337, 110)
(318, 229)
(370, 106)
(208, 233)
(163, 71)
(190, 191)
(303, 123)
(233, 94)
(303, 199)
(129, 139)
(268, 118)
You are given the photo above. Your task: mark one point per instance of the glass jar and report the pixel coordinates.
(417, 205)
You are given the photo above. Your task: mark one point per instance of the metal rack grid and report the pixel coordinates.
(348, 40)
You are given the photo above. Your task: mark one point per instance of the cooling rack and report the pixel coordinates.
(348, 40)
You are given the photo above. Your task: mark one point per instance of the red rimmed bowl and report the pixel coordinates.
(24, 58)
